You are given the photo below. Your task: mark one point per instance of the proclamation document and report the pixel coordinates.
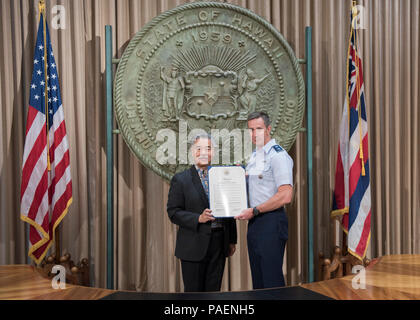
(227, 191)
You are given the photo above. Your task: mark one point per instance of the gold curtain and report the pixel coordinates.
(144, 236)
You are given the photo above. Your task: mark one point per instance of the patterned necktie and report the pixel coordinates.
(204, 180)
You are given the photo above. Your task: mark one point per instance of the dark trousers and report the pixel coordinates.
(267, 238)
(206, 275)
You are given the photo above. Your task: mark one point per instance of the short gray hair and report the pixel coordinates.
(202, 136)
(260, 114)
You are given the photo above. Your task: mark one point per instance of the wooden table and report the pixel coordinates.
(394, 277)
(389, 277)
(23, 282)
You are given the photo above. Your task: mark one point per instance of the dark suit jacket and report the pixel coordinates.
(186, 201)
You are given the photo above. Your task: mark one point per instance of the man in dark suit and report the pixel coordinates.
(203, 242)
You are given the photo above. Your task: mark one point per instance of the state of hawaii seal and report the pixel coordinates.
(205, 65)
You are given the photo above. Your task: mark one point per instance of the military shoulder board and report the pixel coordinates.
(277, 148)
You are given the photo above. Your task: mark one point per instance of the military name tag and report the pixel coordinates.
(204, 65)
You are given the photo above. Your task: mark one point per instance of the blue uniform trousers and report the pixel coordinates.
(267, 237)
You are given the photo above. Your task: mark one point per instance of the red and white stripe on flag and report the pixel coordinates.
(46, 188)
(352, 196)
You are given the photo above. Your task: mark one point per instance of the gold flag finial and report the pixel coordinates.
(354, 8)
(41, 6)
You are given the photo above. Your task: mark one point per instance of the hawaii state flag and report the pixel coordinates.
(46, 189)
(352, 197)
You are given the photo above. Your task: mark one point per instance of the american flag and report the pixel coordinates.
(46, 189)
(352, 198)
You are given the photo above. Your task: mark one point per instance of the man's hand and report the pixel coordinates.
(232, 249)
(206, 216)
(246, 214)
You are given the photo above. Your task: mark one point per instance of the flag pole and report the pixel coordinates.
(41, 5)
(42, 11)
(109, 159)
(356, 38)
(309, 154)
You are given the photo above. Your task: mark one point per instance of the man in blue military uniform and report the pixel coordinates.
(270, 187)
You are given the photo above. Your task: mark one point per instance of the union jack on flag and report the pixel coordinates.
(352, 197)
(46, 189)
